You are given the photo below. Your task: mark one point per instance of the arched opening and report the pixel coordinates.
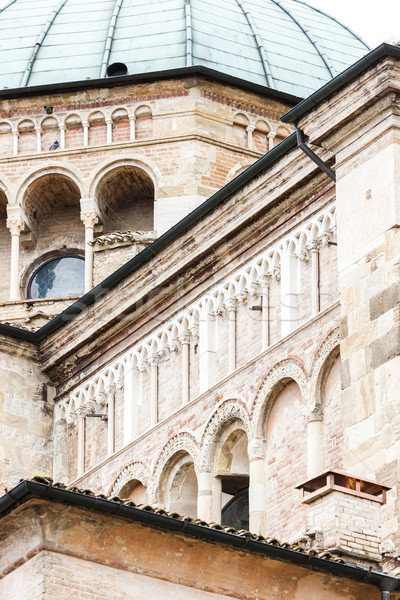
(52, 256)
(260, 136)
(178, 490)
(121, 125)
(97, 129)
(27, 137)
(73, 131)
(239, 130)
(144, 122)
(6, 139)
(134, 490)
(50, 133)
(286, 436)
(58, 278)
(125, 197)
(5, 248)
(232, 476)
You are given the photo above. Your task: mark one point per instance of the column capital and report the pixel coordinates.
(317, 414)
(154, 360)
(313, 246)
(231, 304)
(89, 218)
(15, 225)
(184, 338)
(265, 280)
(250, 128)
(271, 135)
(257, 449)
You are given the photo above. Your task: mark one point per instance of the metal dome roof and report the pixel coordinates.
(285, 45)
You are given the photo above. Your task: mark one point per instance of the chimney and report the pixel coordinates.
(344, 515)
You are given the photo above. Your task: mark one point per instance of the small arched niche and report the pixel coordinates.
(73, 131)
(6, 139)
(239, 130)
(232, 476)
(135, 491)
(97, 129)
(125, 196)
(26, 137)
(50, 133)
(121, 125)
(144, 122)
(178, 489)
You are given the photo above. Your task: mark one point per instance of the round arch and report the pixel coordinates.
(328, 351)
(70, 172)
(276, 379)
(181, 444)
(108, 166)
(229, 411)
(136, 471)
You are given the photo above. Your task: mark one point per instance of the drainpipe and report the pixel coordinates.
(320, 163)
(387, 585)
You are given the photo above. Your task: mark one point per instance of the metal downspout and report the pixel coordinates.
(310, 37)
(189, 34)
(260, 47)
(45, 30)
(320, 163)
(110, 37)
(387, 585)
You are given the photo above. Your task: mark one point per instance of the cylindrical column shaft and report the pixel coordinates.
(111, 422)
(185, 342)
(257, 512)
(314, 249)
(265, 328)
(315, 447)
(15, 226)
(15, 142)
(154, 391)
(81, 444)
(85, 134)
(89, 219)
(38, 139)
(109, 131)
(132, 127)
(232, 306)
(205, 496)
(62, 137)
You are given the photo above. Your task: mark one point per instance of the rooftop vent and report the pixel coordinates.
(117, 69)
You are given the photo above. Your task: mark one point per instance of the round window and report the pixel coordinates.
(59, 278)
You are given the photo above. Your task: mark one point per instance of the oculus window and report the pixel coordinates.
(60, 277)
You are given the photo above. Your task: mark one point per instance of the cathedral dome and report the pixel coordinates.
(285, 45)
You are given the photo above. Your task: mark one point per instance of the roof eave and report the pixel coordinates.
(182, 72)
(261, 165)
(298, 112)
(26, 490)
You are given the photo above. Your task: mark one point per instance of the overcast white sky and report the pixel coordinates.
(374, 20)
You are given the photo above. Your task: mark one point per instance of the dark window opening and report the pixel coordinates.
(117, 69)
(60, 277)
(236, 512)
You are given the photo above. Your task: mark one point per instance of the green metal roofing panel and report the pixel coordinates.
(286, 45)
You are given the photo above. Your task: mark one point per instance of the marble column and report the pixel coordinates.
(257, 491)
(15, 225)
(89, 219)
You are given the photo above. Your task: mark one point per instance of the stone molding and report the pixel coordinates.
(136, 470)
(229, 410)
(263, 400)
(236, 287)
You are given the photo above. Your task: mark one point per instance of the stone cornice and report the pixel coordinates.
(324, 121)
